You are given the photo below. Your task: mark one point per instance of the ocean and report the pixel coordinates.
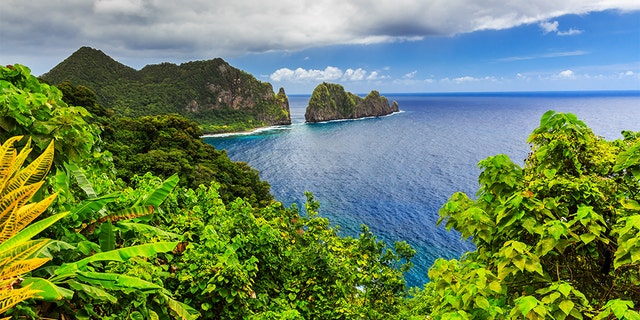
(393, 173)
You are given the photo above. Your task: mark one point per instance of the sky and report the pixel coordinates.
(392, 46)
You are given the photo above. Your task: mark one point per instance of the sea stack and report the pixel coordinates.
(331, 102)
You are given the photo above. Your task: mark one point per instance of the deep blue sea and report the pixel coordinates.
(393, 173)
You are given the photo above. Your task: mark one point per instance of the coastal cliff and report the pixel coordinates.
(331, 102)
(217, 96)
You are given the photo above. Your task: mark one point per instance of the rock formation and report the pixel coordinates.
(331, 102)
(212, 93)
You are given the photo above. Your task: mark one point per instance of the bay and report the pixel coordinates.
(393, 173)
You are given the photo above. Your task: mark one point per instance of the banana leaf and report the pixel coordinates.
(161, 193)
(143, 250)
(48, 290)
(81, 179)
(92, 291)
(116, 281)
(147, 230)
(182, 310)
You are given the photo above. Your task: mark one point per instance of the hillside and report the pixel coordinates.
(331, 102)
(217, 96)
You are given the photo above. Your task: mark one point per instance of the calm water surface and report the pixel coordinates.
(393, 173)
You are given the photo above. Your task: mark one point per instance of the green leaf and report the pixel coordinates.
(183, 311)
(495, 286)
(107, 238)
(143, 250)
(587, 237)
(619, 307)
(158, 195)
(483, 303)
(566, 306)
(48, 290)
(117, 281)
(94, 205)
(565, 289)
(82, 180)
(147, 230)
(92, 291)
(520, 262)
(526, 303)
(29, 232)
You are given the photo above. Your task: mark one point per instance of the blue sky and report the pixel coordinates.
(390, 46)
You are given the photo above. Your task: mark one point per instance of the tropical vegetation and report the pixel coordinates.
(108, 217)
(217, 96)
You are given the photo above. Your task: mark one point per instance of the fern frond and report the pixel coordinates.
(23, 216)
(9, 298)
(16, 198)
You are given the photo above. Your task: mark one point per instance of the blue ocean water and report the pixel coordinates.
(393, 173)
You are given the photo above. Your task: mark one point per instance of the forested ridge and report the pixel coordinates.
(217, 96)
(108, 217)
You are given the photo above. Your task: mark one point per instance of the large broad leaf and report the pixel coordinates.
(107, 238)
(147, 230)
(29, 232)
(126, 214)
(92, 291)
(116, 281)
(96, 204)
(158, 195)
(48, 290)
(183, 311)
(143, 250)
(82, 180)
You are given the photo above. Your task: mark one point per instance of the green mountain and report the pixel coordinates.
(217, 96)
(330, 101)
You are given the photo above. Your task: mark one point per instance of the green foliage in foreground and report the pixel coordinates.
(557, 239)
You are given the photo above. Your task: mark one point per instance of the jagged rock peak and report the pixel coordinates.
(331, 102)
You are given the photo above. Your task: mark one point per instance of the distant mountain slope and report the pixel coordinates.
(212, 93)
(330, 101)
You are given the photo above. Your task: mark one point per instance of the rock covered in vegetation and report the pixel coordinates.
(219, 97)
(331, 102)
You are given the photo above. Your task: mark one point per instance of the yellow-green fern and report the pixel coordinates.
(18, 253)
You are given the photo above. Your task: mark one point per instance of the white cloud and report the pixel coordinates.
(566, 74)
(465, 79)
(552, 27)
(570, 32)
(546, 55)
(549, 26)
(411, 74)
(328, 74)
(354, 75)
(199, 28)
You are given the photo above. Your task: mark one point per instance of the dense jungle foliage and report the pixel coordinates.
(92, 229)
(217, 96)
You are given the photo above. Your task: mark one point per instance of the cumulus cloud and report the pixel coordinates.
(552, 27)
(198, 28)
(411, 74)
(328, 74)
(548, 27)
(566, 74)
